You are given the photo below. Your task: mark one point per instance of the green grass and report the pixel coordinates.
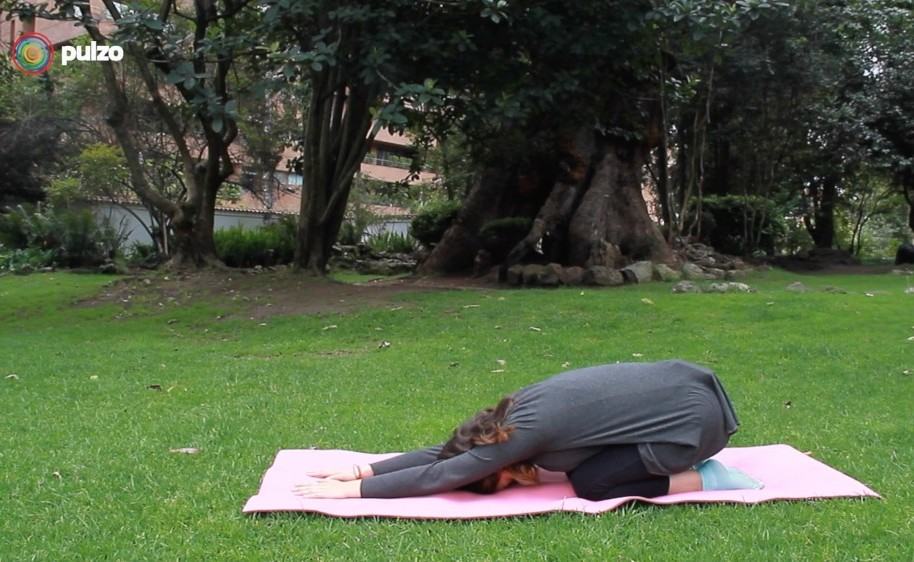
(349, 276)
(86, 473)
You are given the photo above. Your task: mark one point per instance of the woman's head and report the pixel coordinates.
(488, 427)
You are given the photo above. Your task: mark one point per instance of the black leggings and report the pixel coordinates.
(615, 472)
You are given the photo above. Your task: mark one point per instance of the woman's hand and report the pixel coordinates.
(342, 475)
(331, 489)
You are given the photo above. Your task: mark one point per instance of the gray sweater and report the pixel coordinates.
(676, 412)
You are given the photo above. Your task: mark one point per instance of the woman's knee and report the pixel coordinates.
(583, 486)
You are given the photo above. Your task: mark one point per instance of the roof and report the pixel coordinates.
(389, 211)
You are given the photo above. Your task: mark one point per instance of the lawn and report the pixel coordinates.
(102, 392)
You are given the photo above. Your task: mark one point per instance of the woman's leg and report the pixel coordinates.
(617, 471)
(688, 481)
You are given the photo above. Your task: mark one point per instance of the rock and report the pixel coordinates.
(573, 275)
(108, 267)
(715, 273)
(903, 272)
(385, 266)
(735, 274)
(663, 272)
(515, 275)
(604, 276)
(797, 287)
(909, 291)
(550, 275)
(686, 287)
(692, 272)
(639, 272)
(47, 270)
(730, 287)
(532, 273)
(606, 254)
(24, 269)
(698, 252)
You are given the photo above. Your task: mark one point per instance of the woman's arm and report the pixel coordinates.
(450, 474)
(418, 457)
(359, 471)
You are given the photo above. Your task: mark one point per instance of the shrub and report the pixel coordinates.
(724, 224)
(356, 221)
(22, 261)
(143, 255)
(75, 237)
(13, 228)
(430, 224)
(392, 242)
(500, 235)
(269, 245)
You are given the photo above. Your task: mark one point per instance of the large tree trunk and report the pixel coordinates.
(194, 245)
(551, 222)
(612, 225)
(338, 133)
(460, 242)
(594, 214)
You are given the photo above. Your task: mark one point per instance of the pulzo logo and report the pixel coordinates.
(93, 52)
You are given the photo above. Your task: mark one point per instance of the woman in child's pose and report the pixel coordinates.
(625, 429)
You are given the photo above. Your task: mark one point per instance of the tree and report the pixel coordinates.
(183, 59)
(32, 132)
(889, 48)
(367, 65)
(586, 105)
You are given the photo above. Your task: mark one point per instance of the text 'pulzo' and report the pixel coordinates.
(92, 52)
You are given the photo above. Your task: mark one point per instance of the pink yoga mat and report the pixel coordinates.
(787, 473)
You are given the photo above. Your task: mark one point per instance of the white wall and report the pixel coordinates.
(223, 219)
(398, 226)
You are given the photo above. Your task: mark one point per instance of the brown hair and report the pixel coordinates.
(487, 428)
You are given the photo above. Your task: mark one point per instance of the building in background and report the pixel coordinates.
(255, 202)
(59, 32)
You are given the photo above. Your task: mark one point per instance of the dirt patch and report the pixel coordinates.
(262, 294)
(795, 265)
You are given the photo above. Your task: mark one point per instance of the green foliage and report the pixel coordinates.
(74, 237)
(102, 169)
(358, 216)
(883, 234)
(25, 260)
(500, 235)
(229, 192)
(430, 224)
(742, 225)
(393, 242)
(14, 227)
(269, 245)
(62, 191)
(143, 255)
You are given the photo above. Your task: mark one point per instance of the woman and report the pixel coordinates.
(625, 429)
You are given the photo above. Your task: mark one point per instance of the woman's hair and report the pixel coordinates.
(486, 428)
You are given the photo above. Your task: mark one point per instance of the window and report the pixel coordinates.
(390, 158)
